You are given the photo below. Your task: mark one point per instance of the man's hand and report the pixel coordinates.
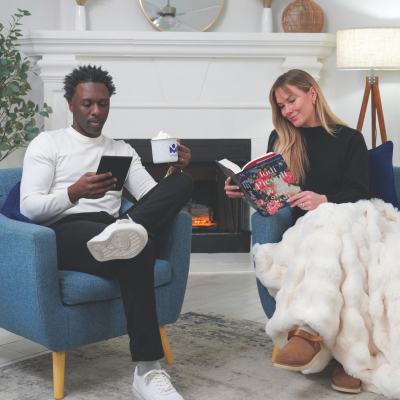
(91, 186)
(184, 158)
(233, 191)
(307, 201)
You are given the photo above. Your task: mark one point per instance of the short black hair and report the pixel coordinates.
(87, 73)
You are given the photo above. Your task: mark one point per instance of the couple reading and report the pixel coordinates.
(328, 158)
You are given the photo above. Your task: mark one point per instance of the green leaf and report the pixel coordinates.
(13, 116)
(49, 110)
(44, 114)
(31, 104)
(45, 105)
(4, 61)
(29, 127)
(4, 146)
(23, 76)
(31, 135)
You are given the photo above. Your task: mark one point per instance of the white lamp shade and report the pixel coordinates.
(368, 48)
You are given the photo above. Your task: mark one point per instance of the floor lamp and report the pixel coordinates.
(370, 49)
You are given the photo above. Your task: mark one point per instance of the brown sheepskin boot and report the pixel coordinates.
(299, 352)
(343, 382)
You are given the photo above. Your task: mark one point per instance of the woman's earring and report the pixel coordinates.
(313, 102)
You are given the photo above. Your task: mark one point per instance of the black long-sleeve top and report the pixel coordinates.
(338, 164)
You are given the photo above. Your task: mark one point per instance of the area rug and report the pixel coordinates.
(216, 358)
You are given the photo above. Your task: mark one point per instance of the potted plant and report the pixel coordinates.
(17, 122)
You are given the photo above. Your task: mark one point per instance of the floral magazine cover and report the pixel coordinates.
(267, 185)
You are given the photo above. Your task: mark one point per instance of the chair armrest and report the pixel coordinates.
(270, 230)
(29, 285)
(177, 252)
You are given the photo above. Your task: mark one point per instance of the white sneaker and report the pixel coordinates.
(154, 385)
(121, 240)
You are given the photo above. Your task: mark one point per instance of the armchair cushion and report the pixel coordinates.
(11, 206)
(78, 288)
(12, 202)
(381, 179)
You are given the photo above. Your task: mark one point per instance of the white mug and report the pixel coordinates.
(164, 150)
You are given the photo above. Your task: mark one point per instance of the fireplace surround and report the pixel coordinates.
(220, 224)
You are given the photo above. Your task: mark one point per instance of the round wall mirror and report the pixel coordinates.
(182, 15)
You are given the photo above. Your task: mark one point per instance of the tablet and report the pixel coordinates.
(118, 166)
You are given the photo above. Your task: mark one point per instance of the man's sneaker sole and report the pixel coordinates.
(121, 244)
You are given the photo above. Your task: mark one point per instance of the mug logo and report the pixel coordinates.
(173, 149)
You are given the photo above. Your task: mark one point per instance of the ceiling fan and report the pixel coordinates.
(165, 17)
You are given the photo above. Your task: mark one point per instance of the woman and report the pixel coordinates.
(330, 160)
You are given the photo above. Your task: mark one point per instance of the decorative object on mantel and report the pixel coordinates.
(370, 49)
(17, 123)
(80, 15)
(303, 16)
(182, 15)
(266, 21)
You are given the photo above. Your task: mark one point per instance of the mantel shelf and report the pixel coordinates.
(177, 44)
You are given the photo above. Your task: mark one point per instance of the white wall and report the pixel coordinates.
(343, 89)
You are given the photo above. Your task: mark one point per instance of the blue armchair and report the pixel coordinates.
(271, 230)
(62, 310)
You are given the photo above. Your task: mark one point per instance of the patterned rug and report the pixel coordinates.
(216, 358)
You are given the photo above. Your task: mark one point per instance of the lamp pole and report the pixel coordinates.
(372, 88)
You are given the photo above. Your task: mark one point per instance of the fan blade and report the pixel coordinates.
(198, 9)
(151, 9)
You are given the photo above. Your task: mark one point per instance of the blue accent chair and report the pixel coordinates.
(271, 230)
(63, 310)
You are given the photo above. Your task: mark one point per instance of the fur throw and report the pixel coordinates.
(338, 271)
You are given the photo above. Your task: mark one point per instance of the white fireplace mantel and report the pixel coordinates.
(196, 85)
(55, 48)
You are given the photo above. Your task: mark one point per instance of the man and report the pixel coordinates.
(60, 190)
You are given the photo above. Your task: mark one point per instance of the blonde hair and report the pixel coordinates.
(290, 143)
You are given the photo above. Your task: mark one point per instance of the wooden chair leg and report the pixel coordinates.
(274, 354)
(169, 358)
(58, 374)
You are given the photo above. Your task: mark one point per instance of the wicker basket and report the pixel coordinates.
(303, 16)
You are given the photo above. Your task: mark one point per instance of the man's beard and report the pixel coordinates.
(93, 131)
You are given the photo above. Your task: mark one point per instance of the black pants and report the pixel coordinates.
(155, 211)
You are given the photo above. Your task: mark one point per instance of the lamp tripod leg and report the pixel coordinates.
(378, 104)
(373, 117)
(364, 105)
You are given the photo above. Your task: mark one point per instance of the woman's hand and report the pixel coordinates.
(307, 201)
(233, 191)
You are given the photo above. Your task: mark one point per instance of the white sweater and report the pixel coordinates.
(56, 160)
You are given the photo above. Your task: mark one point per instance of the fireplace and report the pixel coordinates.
(220, 224)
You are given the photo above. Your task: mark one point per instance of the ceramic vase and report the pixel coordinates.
(266, 21)
(80, 18)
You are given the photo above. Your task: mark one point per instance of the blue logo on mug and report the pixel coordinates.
(173, 149)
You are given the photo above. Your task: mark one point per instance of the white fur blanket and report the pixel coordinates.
(338, 271)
